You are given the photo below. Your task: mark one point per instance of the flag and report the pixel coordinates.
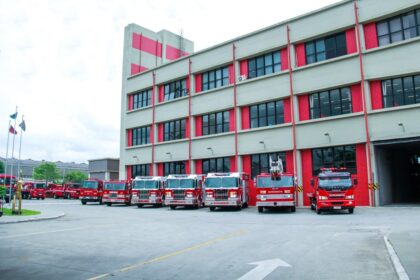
(14, 116)
(12, 130)
(23, 125)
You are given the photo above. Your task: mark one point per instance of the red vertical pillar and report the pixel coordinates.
(198, 166)
(245, 117)
(371, 37)
(306, 156)
(351, 41)
(303, 107)
(287, 110)
(376, 95)
(300, 54)
(284, 59)
(356, 98)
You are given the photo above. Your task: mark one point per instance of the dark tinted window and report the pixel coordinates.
(174, 130)
(330, 103)
(267, 114)
(142, 99)
(215, 78)
(325, 48)
(264, 64)
(140, 135)
(216, 165)
(339, 156)
(175, 89)
(401, 91)
(215, 123)
(175, 167)
(260, 162)
(140, 170)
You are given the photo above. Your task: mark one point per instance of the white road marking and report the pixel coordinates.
(402, 274)
(41, 232)
(263, 269)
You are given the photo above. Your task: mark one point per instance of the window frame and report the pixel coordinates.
(260, 66)
(140, 135)
(318, 106)
(322, 54)
(344, 162)
(140, 170)
(175, 89)
(219, 164)
(262, 121)
(174, 167)
(174, 130)
(258, 168)
(403, 95)
(142, 99)
(209, 129)
(207, 83)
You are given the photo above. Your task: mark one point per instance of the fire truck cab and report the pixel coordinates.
(148, 190)
(91, 191)
(333, 190)
(117, 192)
(226, 190)
(184, 190)
(38, 190)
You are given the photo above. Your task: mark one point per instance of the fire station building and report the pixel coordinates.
(337, 87)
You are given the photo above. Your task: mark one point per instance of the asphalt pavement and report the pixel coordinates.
(120, 242)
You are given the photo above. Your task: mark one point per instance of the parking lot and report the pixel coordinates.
(120, 242)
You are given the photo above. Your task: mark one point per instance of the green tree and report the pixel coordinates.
(75, 176)
(46, 171)
(1, 167)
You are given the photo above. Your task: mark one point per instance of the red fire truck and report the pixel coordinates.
(148, 190)
(71, 190)
(91, 191)
(333, 190)
(117, 192)
(184, 190)
(275, 189)
(38, 190)
(226, 190)
(55, 190)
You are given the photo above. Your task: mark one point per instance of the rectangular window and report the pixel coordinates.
(330, 103)
(142, 99)
(326, 48)
(399, 28)
(215, 165)
(215, 78)
(140, 135)
(215, 123)
(264, 64)
(175, 167)
(174, 130)
(175, 89)
(260, 162)
(267, 114)
(140, 170)
(401, 91)
(339, 156)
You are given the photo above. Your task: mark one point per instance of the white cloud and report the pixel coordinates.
(60, 62)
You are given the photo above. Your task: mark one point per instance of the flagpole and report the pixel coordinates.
(7, 148)
(11, 163)
(20, 147)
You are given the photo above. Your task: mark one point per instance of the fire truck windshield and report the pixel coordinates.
(114, 186)
(90, 184)
(180, 183)
(333, 183)
(221, 182)
(39, 186)
(145, 184)
(266, 182)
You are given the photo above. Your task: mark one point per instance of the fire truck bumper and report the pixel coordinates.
(114, 200)
(151, 200)
(276, 203)
(89, 198)
(209, 202)
(187, 201)
(336, 205)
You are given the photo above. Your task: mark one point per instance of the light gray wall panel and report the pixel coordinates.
(138, 118)
(215, 57)
(369, 9)
(275, 139)
(384, 125)
(212, 101)
(324, 22)
(173, 71)
(326, 75)
(144, 59)
(222, 145)
(342, 131)
(261, 42)
(172, 110)
(139, 83)
(144, 155)
(393, 60)
(178, 150)
(263, 89)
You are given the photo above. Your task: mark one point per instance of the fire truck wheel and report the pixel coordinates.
(128, 203)
(260, 209)
(318, 211)
(351, 210)
(100, 202)
(139, 205)
(212, 208)
(293, 209)
(312, 207)
(37, 198)
(109, 204)
(43, 198)
(29, 197)
(55, 196)
(172, 207)
(83, 202)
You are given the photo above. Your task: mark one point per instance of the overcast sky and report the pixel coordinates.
(61, 62)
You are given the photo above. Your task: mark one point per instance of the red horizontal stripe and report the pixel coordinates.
(174, 53)
(146, 44)
(135, 68)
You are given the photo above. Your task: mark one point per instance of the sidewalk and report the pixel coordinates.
(45, 215)
(407, 247)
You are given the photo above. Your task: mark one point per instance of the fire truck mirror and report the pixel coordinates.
(355, 181)
(312, 182)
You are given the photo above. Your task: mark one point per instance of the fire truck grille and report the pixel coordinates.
(179, 194)
(143, 194)
(112, 195)
(221, 194)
